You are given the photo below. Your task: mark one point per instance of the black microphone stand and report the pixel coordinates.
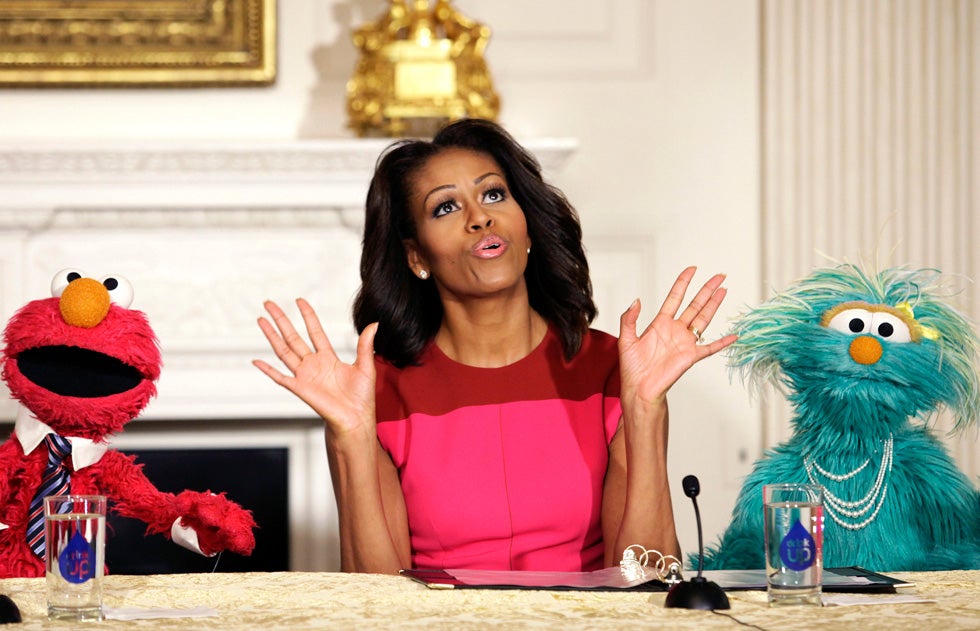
(699, 592)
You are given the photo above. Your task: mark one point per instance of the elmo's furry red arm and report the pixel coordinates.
(132, 494)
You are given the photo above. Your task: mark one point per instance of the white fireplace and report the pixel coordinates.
(205, 232)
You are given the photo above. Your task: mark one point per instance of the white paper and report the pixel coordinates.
(147, 613)
(756, 579)
(847, 600)
(606, 577)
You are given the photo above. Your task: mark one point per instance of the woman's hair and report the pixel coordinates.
(407, 308)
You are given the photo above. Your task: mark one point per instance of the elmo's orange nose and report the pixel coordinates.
(85, 302)
(865, 350)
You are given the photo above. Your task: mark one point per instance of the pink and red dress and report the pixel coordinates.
(502, 468)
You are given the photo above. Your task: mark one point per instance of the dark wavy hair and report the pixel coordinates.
(408, 309)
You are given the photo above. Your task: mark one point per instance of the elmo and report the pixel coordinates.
(83, 364)
(866, 360)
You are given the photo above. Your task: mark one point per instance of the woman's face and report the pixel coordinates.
(471, 236)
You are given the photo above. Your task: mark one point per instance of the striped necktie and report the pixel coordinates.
(55, 481)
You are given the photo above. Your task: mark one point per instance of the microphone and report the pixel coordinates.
(699, 592)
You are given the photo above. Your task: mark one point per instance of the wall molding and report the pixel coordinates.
(193, 175)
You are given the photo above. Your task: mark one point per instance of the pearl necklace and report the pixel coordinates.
(855, 509)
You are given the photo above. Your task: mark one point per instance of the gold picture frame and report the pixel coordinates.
(106, 43)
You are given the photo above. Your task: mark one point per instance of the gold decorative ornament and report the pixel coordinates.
(421, 64)
(54, 43)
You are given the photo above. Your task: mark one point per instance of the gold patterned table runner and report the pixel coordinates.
(299, 600)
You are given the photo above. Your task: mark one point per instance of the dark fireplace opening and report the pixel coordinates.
(256, 478)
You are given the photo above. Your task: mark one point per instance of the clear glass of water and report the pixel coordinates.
(794, 543)
(74, 534)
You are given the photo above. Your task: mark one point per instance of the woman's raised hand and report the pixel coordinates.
(650, 363)
(341, 393)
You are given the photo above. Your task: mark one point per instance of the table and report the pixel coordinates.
(298, 600)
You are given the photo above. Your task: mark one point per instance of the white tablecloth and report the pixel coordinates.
(297, 600)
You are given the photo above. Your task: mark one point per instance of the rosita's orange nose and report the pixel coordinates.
(866, 350)
(84, 303)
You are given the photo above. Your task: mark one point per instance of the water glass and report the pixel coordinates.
(74, 534)
(794, 543)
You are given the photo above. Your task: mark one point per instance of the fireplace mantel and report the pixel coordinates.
(274, 174)
(205, 231)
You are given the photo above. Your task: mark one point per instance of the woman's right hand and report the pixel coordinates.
(341, 393)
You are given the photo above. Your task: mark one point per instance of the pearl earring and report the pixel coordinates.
(529, 250)
(423, 274)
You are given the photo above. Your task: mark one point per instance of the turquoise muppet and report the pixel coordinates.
(867, 361)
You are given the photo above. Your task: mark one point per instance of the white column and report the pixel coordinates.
(871, 145)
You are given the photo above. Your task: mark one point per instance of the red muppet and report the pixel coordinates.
(83, 364)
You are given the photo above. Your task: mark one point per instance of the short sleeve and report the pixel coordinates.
(612, 408)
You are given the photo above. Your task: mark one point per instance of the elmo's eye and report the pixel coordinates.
(852, 321)
(889, 326)
(62, 278)
(120, 290)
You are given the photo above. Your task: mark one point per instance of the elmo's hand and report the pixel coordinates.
(219, 523)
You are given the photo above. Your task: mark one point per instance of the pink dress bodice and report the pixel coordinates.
(502, 468)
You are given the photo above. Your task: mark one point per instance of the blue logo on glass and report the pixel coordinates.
(77, 560)
(797, 550)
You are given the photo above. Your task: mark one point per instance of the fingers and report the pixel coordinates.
(365, 345)
(270, 372)
(698, 314)
(676, 295)
(289, 346)
(627, 322)
(706, 350)
(313, 327)
(705, 303)
(278, 344)
(701, 310)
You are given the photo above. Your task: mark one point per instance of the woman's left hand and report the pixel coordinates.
(650, 363)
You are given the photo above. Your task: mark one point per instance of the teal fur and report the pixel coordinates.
(844, 410)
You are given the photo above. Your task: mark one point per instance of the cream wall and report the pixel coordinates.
(662, 97)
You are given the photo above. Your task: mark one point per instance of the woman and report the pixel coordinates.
(482, 423)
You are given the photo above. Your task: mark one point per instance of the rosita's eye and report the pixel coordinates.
(853, 321)
(62, 279)
(881, 324)
(890, 327)
(120, 290)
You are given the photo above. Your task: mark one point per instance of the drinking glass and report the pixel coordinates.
(74, 534)
(794, 543)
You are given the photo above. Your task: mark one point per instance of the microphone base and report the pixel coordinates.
(698, 593)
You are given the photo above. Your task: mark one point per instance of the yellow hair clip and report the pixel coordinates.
(925, 331)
